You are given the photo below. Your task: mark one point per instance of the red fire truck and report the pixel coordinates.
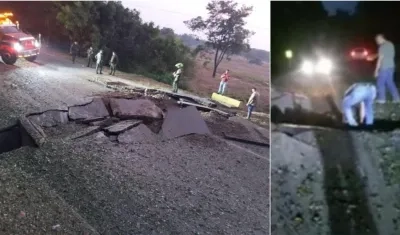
(14, 43)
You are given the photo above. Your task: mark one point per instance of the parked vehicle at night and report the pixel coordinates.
(14, 43)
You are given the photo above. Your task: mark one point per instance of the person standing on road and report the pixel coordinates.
(74, 50)
(113, 63)
(99, 62)
(251, 104)
(89, 57)
(223, 83)
(362, 94)
(177, 75)
(385, 68)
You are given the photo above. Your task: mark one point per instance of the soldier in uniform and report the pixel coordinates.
(99, 62)
(113, 63)
(177, 74)
(74, 50)
(89, 57)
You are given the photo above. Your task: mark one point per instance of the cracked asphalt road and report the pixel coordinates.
(190, 185)
(51, 81)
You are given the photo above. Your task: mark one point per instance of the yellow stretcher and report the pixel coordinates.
(225, 100)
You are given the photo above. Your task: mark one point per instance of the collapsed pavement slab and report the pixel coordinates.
(283, 101)
(85, 132)
(138, 109)
(33, 130)
(50, 118)
(122, 126)
(104, 122)
(139, 134)
(94, 109)
(183, 121)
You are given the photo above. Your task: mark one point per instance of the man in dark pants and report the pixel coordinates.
(177, 74)
(89, 57)
(252, 102)
(74, 50)
(99, 62)
(113, 63)
(385, 68)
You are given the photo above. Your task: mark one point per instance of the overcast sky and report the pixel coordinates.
(172, 13)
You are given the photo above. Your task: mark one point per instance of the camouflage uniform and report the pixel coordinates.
(90, 57)
(177, 74)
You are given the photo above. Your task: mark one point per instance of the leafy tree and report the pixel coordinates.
(78, 19)
(224, 28)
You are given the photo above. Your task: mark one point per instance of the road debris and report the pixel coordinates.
(202, 107)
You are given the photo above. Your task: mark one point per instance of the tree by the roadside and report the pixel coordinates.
(224, 28)
(141, 47)
(78, 19)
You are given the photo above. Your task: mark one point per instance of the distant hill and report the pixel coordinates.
(254, 55)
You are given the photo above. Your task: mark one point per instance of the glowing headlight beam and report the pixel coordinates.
(18, 47)
(324, 66)
(307, 67)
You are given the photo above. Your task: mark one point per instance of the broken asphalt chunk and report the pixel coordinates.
(179, 122)
(122, 126)
(34, 130)
(139, 134)
(85, 132)
(50, 118)
(138, 109)
(95, 109)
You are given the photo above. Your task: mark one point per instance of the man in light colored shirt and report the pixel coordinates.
(113, 63)
(251, 104)
(99, 62)
(385, 68)
(363, 96)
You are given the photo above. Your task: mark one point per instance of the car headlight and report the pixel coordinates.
(37, 43)
(18, 47)
(307, 67)
(324, 66)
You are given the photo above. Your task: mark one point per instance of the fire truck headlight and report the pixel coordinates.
(37, 43)
(18, 47)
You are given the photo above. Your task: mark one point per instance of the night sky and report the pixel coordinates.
(331, 7)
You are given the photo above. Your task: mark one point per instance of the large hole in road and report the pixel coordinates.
(300, 117)
(14, 137)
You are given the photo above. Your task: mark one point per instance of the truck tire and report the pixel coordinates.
(9, 58)
(31, 58)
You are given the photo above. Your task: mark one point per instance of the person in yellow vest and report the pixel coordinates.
(177, 75)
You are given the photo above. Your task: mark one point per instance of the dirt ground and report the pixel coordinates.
(245, 76)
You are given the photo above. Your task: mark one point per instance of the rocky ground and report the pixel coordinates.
(327, 179)
(88, 160)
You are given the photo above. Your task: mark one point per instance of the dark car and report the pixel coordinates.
(360, 53)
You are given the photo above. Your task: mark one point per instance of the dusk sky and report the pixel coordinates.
(331, 7)
(172, 13)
